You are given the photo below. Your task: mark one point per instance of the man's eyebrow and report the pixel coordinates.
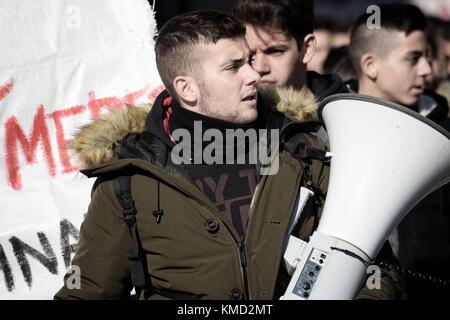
(238, 61)
(415, 53)
(276, 47)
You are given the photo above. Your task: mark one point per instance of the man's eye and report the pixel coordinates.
(233, 67)
(414, 60)
(275, 51)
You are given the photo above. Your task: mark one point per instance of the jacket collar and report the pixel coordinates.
(101, 140)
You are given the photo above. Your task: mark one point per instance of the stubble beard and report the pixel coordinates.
(212, 109)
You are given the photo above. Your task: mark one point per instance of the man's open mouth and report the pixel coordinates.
(250, 98)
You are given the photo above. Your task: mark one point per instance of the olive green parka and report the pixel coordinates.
(185, 258)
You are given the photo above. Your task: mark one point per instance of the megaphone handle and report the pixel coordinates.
(328, 268)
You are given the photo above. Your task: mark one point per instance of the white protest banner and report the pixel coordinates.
(62, 63)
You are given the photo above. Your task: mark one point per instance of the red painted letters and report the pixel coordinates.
(62, 142)
(14, 134)
(6, 89)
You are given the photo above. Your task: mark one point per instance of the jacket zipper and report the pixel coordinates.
(241, 245)
(243, 260)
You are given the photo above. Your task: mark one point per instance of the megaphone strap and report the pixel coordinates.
(351, 254)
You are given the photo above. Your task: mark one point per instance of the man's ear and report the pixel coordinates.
(186, 89)
(308, 48)
(369, 65)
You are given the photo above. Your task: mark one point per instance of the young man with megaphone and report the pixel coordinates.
(193, 229)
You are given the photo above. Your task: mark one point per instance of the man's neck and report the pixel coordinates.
(299, 81)
(368, 89)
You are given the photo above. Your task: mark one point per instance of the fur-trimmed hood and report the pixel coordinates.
(96, 142)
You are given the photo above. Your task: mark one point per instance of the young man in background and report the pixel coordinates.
(392, 64)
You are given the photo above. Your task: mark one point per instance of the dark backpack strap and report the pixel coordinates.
(123, 191)
(298, 144)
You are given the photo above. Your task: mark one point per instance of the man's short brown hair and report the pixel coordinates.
(176, 47)
(395, 17)
(294, 17)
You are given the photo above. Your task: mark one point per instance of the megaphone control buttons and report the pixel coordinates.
(306, 286)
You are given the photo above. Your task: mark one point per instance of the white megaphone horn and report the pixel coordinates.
(385, 159)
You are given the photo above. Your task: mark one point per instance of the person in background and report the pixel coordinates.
(392, 64)
(324, 38)
(438, 32)
(280, 33)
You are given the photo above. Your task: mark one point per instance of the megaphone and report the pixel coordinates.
(385, 158)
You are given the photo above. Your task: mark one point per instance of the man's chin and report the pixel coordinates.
(247, 117)
(410, 101)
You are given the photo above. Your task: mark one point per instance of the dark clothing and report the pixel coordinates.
(422, 240)
(230, 186)
(434, 107)
(325, 85)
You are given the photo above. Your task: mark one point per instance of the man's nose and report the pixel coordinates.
(252, 76)
(261, 65)
(424, 67)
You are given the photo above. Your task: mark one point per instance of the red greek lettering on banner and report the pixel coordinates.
(40, 135)
(60, 138)
(6, 89)
(15, 135)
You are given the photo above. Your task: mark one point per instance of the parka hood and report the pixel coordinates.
(96, 143)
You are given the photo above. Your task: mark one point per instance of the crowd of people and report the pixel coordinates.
(201, 230)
